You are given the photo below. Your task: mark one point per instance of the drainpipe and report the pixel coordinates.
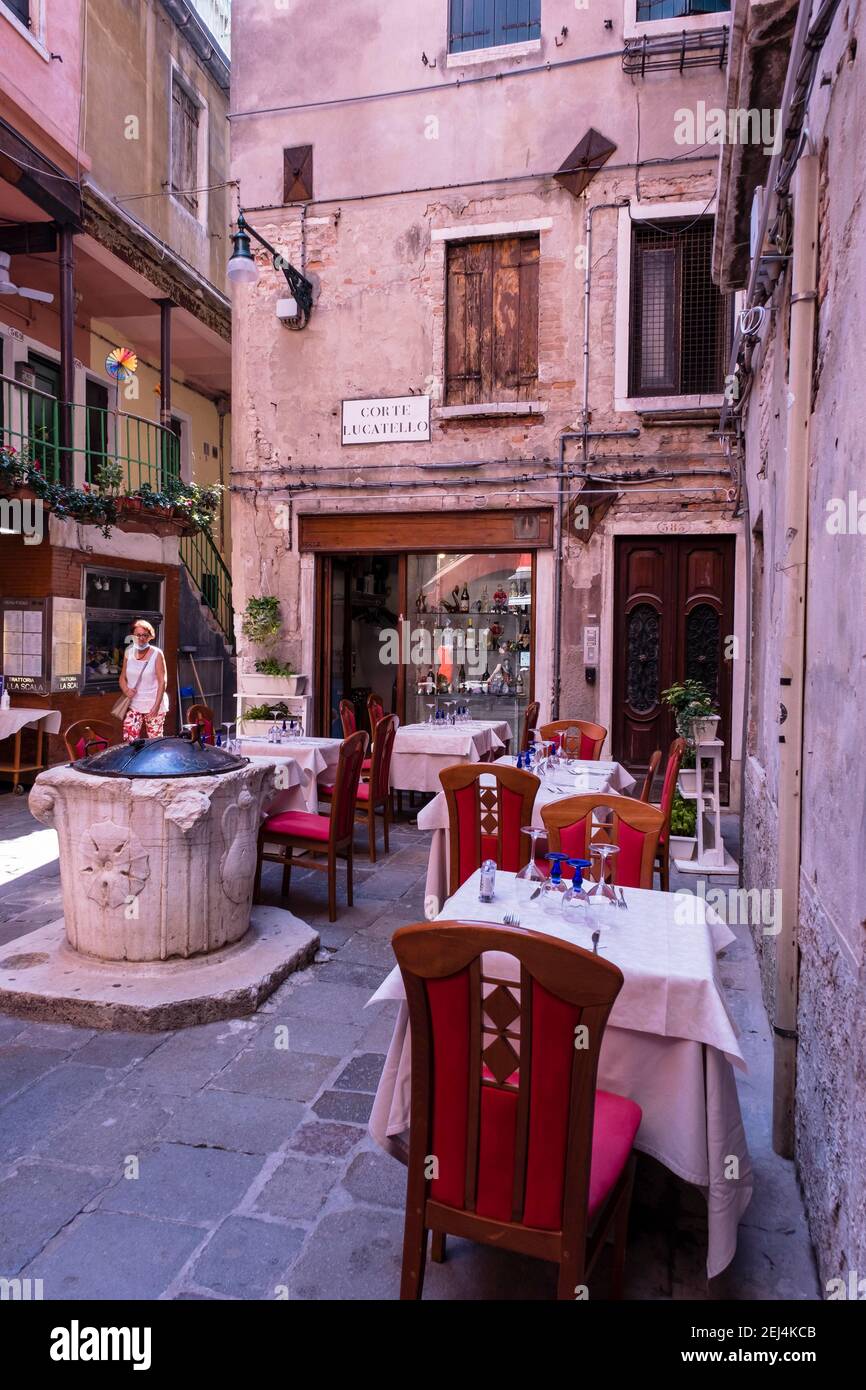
(793, 576)
(584, 436)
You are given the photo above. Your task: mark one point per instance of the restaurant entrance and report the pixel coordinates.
(426, 625)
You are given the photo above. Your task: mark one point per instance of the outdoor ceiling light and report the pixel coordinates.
(293, 311)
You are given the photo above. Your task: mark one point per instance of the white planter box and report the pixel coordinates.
(683, 846)
(688, 781)
(282, 686)
(704, 730)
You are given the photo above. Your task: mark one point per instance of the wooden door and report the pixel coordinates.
(674, 612)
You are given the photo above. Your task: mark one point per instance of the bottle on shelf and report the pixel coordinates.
(464, 599)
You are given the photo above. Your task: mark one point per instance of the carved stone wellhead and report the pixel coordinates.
(151, 868)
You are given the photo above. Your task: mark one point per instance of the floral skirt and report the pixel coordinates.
(153, 725)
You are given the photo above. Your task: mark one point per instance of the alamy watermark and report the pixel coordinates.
(23, 516)
(703, 125)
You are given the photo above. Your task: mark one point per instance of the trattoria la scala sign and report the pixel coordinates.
(389, 420)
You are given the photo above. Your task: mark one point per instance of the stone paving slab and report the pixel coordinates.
(248, 1258)
(112, 1255)
(197, 1186)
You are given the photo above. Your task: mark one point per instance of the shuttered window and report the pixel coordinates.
(184, 145)
(492, 331)
(679, 329)
(21, 10)
(491, 23)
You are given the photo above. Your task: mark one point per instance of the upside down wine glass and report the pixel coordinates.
(575, 900)
(602, 894)
(530, 880)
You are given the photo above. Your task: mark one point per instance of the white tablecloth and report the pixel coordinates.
(18, 717)
(586, 777)
(301, 764)
(421, 751)
(669, 1046)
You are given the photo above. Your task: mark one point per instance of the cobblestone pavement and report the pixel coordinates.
(215, 1162)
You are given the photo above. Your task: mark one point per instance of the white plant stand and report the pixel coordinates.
(258, 690)
(712, 857)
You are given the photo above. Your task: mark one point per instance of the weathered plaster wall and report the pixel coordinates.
(370, 243)
(831, 1059)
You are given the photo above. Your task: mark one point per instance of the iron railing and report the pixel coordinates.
(49, 434)
(211, 577)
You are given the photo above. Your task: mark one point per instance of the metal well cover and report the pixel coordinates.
(160, 757)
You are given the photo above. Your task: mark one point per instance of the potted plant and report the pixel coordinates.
(262, 621)
(683, 824)
(278, 678)
(259, 718)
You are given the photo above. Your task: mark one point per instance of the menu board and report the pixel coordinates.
(42, 645)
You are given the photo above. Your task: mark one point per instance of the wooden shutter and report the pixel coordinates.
(298, 174)
(184, 146)
(492, 325)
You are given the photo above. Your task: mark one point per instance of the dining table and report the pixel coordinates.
(421, 751)
(583, 776)
(670, 1044)
(13, 722)
(301, 763)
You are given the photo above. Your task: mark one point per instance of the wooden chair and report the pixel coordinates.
(672, 770)
(349, 721)
(651, 771)
(591, 740)
(633, 826)
(531, 1157)
(204, 716)
(348, 718)
(375, 713)
(90, 736)
(321, 839)
(375, 795)
(488, 804)
(529, 723)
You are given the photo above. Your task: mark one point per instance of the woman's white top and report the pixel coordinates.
(143, 681)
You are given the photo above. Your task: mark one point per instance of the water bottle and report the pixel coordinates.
(488, 881)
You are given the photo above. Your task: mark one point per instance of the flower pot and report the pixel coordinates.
(688, 781)
(297, 685)
(704, 729)
(268, 685)
(683, 846)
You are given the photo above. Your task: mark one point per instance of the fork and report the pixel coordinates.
(511, 919)
(622, 904)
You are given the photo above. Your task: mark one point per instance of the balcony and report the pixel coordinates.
(104, 467)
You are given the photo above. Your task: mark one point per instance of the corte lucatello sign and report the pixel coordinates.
(388, 420)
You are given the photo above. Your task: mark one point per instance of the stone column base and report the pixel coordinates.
(42, 978)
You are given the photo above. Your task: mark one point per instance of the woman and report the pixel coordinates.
(143, 678)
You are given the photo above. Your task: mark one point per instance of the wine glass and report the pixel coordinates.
(228, 725)
(570, 747)
(554, 888)
(602, 893)
(431, 707)
(575, 899)
(530, 880)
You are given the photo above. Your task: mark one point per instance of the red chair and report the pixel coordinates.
(633, 826)
(375, 713)
(349, 721)
(651, 771)
(88, 736)
(348, 718)
(375, 795)
(672, 771)
(321, 839)
(591, 740)
(203, 716)
(530, 1156)
(488, 804)
(529, 722)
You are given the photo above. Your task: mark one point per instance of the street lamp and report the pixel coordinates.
(295, 311)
